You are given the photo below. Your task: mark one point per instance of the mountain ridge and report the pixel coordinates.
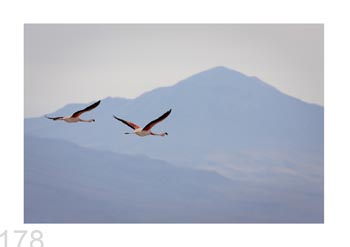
(67, 183)
(269, 144)
(224, 115)
(211, 71)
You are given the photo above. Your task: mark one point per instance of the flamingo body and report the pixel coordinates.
(71, 119)
(141, 132)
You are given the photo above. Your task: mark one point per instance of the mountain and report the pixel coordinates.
(67, 183)
(221, 120)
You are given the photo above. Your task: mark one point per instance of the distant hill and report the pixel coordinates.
(219, 108)
(221, 120)
(67, 183)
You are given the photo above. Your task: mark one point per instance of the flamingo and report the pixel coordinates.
(75, 117)
(147, 129)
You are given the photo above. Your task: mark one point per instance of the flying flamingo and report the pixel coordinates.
(76, 115)
(147, 129)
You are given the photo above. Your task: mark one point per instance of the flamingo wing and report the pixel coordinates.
(54, 118)
(130, 124)
(154, 122)
(89, 108)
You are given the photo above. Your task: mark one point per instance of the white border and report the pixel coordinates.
(335, 16)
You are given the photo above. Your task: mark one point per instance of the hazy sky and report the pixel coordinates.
(82, 63)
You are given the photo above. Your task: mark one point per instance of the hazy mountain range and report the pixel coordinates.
(65, 183)
(264, 148)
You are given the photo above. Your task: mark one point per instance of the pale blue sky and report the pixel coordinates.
(82, 63)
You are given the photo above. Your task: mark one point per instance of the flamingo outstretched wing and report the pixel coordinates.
(154, 122)
(128, 123)
(89, 108)
(54, 118)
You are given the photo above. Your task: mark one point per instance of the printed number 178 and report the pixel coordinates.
(36, 238)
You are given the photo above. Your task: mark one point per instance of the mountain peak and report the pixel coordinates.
(220, 70)
(216, 76)
(223, 69)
